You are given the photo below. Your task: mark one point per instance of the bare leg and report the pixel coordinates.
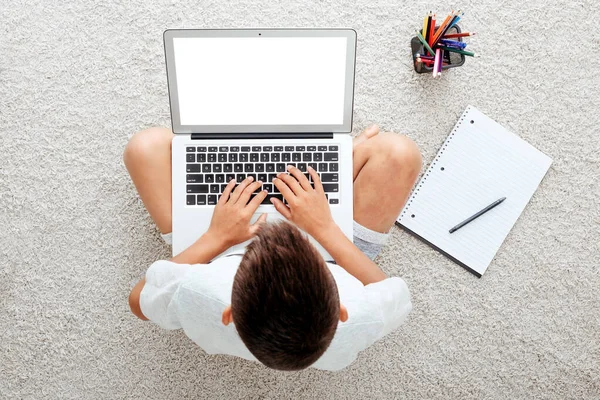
(147, 157)
(385, 169)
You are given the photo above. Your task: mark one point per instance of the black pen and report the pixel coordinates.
(479, 214)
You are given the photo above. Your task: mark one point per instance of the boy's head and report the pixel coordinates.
(284, 302)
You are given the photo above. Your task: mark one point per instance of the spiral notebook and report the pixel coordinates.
(479, 163)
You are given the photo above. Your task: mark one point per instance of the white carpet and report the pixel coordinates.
(78, 78)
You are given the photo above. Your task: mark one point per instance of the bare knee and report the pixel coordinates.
(398, 153)
(146, 144)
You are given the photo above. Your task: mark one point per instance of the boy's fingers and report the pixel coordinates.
(227, 192)
(316, 180)
(281, 208)
(291, 182)
(300, 177)
(283, 187)
(257, 200)
(240, 188)
(245, 196)
(258, 224)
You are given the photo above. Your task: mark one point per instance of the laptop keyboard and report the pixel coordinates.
(210, 168)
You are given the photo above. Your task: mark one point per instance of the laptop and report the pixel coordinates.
(248, 103)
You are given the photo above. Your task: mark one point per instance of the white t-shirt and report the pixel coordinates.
(193, 297)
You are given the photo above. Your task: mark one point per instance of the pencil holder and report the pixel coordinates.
(451, 60)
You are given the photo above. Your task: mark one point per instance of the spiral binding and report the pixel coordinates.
(415, 191)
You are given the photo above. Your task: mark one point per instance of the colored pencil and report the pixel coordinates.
(425, 31)
(452, 49)
(453, 43)
(442, 26)
(425, 44)
(423, 56)
(458, 35)
(452, 22)
(431, 29)
(438, 61)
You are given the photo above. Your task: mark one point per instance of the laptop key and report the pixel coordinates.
(193, 168)
(253, 176)
(220, 178)
(322, 148)
(197, 188)
(268, 187)
(296, 156)
(201, 158)
(259, 167)
(306, 157)
(311, 148)
(240, 177)
(222, 157)
(244, 148)
(318, 157)
(209, 178)
(271, 177)
(194, 178)
(212, 199)
(334, 201)
(331, 187)
(190, 157)
(223, 148)
(264, 157)
(223, 186)
(300, 148)
(227, 167)
(289, 148)
(331, 156)
(191, 200)
(302, 167)
(333, 148)
(201, 199)
(202, 149)
(212, 157)
(255, 148)
(278, 148)
(333, 167)
(229, 177)
(238, 167)
(206, 168)
(214, 188)
(267, 148)
(329, 178)
(243, 157)
(217, 168)
(286, 157)
(313, 165)
(262, 177)
(270, 167)
(190, 149)
(275, 157)
(212, 148)
(280, 167)
(322, 167)
(248, 167)
(235, 148)
(233, 157)
(253, 157)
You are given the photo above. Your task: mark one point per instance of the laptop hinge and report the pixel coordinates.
(263, 135)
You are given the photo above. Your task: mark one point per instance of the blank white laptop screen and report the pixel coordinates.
(260, 81)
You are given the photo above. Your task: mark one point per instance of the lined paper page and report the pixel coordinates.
(482, 162)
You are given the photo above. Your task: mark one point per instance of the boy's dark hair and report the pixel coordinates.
(285, 303)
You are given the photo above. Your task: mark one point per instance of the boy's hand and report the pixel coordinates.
(307, 207)
(231, 218)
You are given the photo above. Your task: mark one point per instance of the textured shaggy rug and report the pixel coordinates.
(78, 78)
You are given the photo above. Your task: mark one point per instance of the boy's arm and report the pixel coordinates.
(309, 210)
(229, 226)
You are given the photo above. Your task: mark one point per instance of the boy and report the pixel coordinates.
(279, 302)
